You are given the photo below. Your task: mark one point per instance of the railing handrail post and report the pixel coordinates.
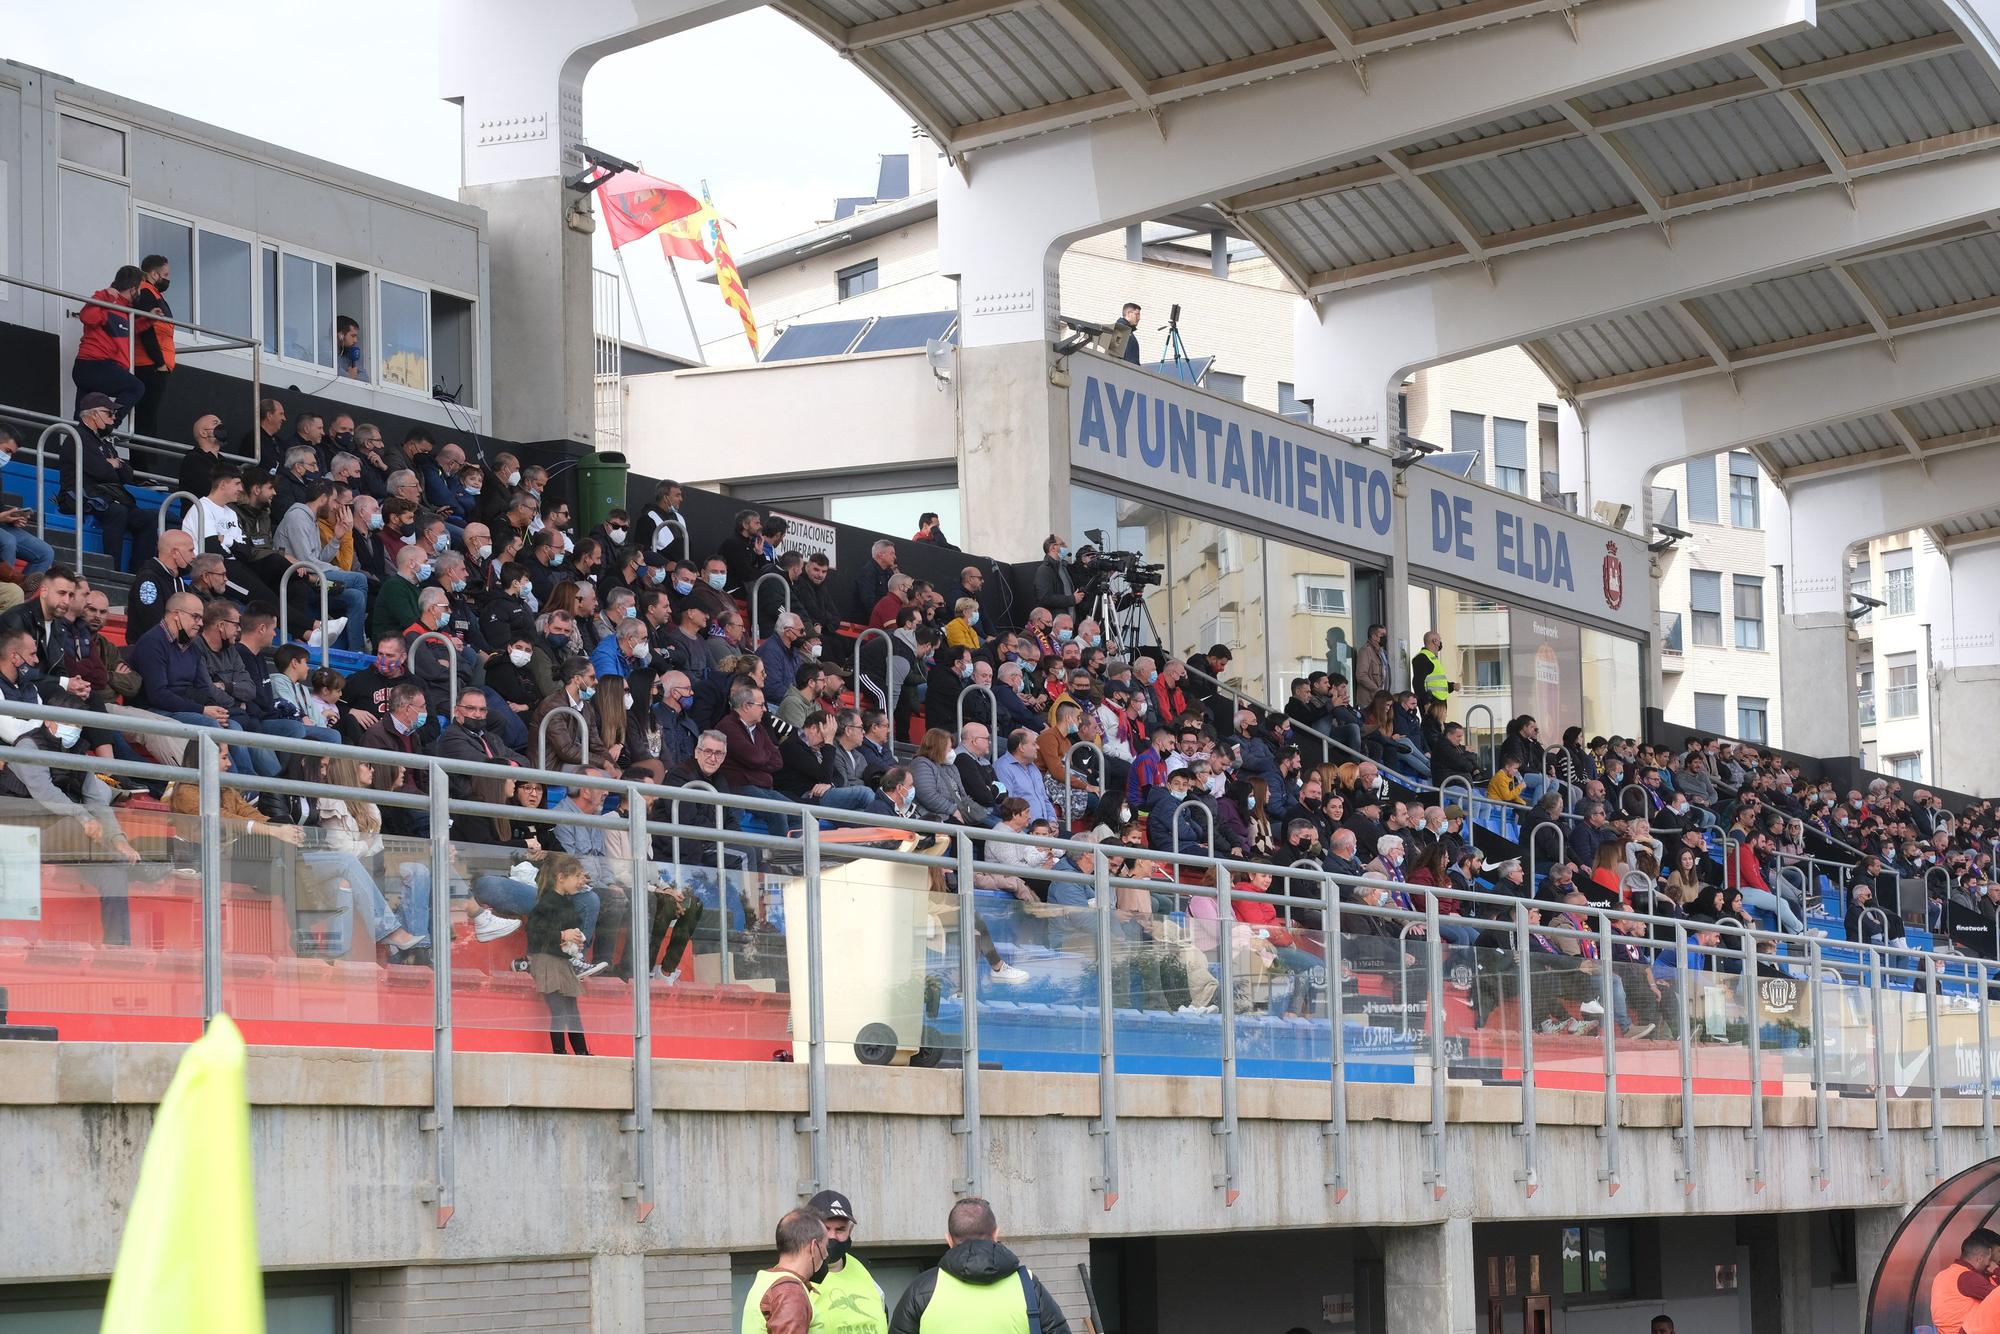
(1106, 1182)
(992, 707)
(1225, 920)
(968, 972)
(317, 570)
(888, 668)
(1336, 1129)
(441, 1120)
(1525, 1015)
(639, 951)
(757, 625)
(582, 734)
(208, 758)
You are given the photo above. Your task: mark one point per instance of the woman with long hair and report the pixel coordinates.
(555, 947)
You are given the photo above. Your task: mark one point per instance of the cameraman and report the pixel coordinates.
(1054, 588)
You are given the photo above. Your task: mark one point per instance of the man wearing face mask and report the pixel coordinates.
(507, 604)
(80, 827)
(709, 594)
(496, 489)
(849, 1300)
(577, 688)
(781, 1297)
(396, 603)
(153, 343)
(375, 468)
(401, 733)
(780, 650)
(545, 563)
(198, 465)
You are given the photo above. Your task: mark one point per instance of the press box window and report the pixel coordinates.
(863, 277)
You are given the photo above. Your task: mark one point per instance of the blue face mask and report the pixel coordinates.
(587, 694)
(558, 642)
(1064, 636)
(657, 575)
(423, 571)
(375, 521)
(631, 610)
(717, 580)
(683, 587)
(441, 541)
(423, 716)
(458, 585)
(1062, 553)
(555, 558)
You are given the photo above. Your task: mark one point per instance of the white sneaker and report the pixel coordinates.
(588, 969)
(488, 927)
(1009, 974)
(328, 632)
(1816, 933)
(1593, 1008)
(661, 975)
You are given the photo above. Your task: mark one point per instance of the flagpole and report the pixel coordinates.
(638, 321)
(694, 334)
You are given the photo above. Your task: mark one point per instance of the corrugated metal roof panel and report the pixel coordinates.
(1531, 186)
(1945, 275)
(1349, 227)
(1374, 13)
(1904, 104)
(997, 66)
(1838, 441)
(1166, 37)
(1795, 306)
(1856, 28)
(1682, 79)
(1733, 142)
(1641, 341)
(1971, 410)
(1985, 521)
(853, 13)
(1473, 133)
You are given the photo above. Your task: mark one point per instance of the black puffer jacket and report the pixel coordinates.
(979, 1262)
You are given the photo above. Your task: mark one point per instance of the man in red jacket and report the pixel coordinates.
(754, 759)
(104, 358)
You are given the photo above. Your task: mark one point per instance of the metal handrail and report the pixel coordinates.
(542, 733)
(76, 487)
(1492, 746)
(756, 623)
(1625, 807)
(1535, 838)
(285, 607)
(194, 507)
(451, 652)
(151, 444)
(1069, 763)
(992, 708)
(1950, 882)
(721, 871)
(888, 667)
(1207, 815)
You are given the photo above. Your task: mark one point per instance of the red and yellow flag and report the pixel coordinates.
(687, 237)
(726, 275)
(636, 205)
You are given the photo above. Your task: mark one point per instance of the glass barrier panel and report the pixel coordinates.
(1787, 1023)
(1908, 1059)
(1166, 984)
(1717, 1015)
(1644, 1019)
(1038, 1009)
(1483, 1011)
(1384, 998)
(100, 925)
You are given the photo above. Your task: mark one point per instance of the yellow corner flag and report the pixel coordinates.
(188, 1261)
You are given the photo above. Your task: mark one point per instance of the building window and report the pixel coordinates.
(1468, 433)
(1910, 768)
(1510, 455)
(1899, 582)
(1752, 719)
(1320, 596)
(1222, 382)
(405, 337)
(1701, 491)
(1902, 685)
(1745, 507)
(1864, 693)
(1705, 604)
(1486, 668)
(222, 283)
(1710, 713)
(1597, 1260)
(98, 147)
(305, 303)
(853, 281)
(174, 240)
(1749, 612)
(1670, 633)
(1293, 408)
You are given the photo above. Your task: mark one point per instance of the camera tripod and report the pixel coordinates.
(1125, 627)
(1173, 352)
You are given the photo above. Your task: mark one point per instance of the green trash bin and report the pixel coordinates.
(600, 488)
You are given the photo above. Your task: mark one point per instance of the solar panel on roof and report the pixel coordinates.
(815, 340)
(899, 331)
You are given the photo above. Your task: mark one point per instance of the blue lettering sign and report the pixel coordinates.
(1092, 427)
(1210, 427)
(1461, 524)
(1121, 413)
(1378, 501)
(1180, 445)
(1234, 473)
(1265, 460)
(1307, 460)
(1440, 523)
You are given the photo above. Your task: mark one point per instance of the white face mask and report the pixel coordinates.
(519, 656)
(69, 734)
(615, 534)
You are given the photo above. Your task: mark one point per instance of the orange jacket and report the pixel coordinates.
(154, 345)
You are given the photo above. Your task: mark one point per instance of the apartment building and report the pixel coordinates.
(1893, 655)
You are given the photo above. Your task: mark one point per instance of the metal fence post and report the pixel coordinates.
(439, 1123)
(1935, 1134)
(1106, 1182)
(542, 732)
(756, 586)
(968, 972)
(1440, 1071)
(1985, 1062)
(1336, 1001)
(813, 1123)
(639, 952)
(1685, 1133)
(1529, 1175)
(1881, 1066)
(1755, 1024)
(888, 668)
(1822, 1166)
(285, 607)
(1225, 918)
(1606, 995)
(209, 823)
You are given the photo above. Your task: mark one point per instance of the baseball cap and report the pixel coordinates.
(1454, 812)
(831, 1204)
(92, 401)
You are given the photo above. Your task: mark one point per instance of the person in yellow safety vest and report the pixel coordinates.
(850, 1301)
(979, 1287)
(781, 1297)
(1427, 676)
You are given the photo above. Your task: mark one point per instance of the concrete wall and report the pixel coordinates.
(1505, 383)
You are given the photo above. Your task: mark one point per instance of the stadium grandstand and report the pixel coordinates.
(609, 857)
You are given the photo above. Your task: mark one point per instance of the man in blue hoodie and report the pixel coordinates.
(980, 1287)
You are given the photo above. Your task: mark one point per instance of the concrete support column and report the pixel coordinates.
(1013, 452)
(1780, 1272)
(540, 276)
(1429, 1277)
(1816, 690)
(1873, 1231)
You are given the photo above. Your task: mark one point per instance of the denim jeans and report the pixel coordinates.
(246, 759)
(17, 542)
(1768, 902)
(845, 798)
(351, 588)
(366, 898)
(292, 727)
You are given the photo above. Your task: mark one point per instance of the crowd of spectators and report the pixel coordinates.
(495, 630)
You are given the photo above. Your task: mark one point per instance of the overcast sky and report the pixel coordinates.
(774, 121)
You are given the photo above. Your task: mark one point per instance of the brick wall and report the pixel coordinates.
(687, 1294)
(434, 1299)
(1054, 1261)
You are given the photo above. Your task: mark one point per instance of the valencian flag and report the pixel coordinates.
(687, 238)
(726, 276)
(188, 1261)
(637, 205)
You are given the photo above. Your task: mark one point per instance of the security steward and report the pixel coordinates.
(850, 1301)
(979, 1287)
(1427, 676)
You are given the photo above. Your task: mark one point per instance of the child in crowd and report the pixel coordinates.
(555, 938)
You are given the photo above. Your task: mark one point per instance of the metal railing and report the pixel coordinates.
(1729, 956)
(757, 625)
(318, 572)
(888, 668)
